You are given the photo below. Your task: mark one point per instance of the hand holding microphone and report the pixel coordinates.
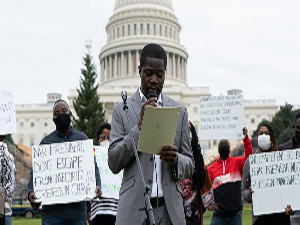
(151, 101)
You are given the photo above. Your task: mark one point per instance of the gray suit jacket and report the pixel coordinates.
(121, 156)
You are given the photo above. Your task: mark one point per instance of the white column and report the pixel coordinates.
(115, 65)
(178, 67)
(168, 65)
(174, 66)
(106, 69)
(110, 67)
(129, 64)
(185, 70)
(137, 61)
(102, 71)
(122, 64)
(182, 68)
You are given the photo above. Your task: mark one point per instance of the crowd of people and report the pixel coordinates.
(180, 186)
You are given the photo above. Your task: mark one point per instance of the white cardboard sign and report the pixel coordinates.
(275, 180)
(64, 172)
(7, 112)
(221, 117)
(110, 182)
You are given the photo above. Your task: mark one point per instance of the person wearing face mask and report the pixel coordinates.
(226, 175)
(105, 210)
(266, 143)
(70, 213)
(293, 143)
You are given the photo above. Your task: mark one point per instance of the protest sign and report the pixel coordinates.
(110, 182)
(221, 117)
(275, 180)
(64, 172)
(7, 112)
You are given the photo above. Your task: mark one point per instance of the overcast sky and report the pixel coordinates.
(253, 45)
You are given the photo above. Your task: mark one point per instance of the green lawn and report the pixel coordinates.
(247, 218)
(25, 221)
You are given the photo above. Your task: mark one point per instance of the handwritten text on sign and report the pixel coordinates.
(111, 183)
(275, 180)
(7, 112)
(64, 172)
(221, 117)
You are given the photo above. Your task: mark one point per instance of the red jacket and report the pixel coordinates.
(226, 176)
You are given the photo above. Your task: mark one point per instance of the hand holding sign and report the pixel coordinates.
(98, 192)
(245, 132)
(169, 155)
(289, 211)
(32, 200)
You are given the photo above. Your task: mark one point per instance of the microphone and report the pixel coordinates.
(124, 97)
(152, 94)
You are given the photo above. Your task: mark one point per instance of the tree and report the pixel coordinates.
(10, 140)
(282, 123)
(89, 109)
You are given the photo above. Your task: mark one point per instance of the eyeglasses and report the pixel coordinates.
(103, 137)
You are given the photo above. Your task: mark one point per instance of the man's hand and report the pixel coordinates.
(288, 210)
(245, 132)
(89, 218)
(98, 192)
(250, 190)
(214, 207)
(149, 102)
(169, 154)
(33, 203)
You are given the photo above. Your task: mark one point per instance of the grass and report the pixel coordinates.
(247, 218)
(26, 221)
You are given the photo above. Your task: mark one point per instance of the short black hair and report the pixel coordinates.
(2, 137)
(102, 126)
(155, 51)
(61, 100)
(297, 116)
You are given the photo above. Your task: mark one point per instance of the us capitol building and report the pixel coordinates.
(133, 24)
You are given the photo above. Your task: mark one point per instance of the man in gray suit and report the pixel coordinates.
(161, 172)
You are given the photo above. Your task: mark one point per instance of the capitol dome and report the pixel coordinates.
(134, 24)
(129, 3)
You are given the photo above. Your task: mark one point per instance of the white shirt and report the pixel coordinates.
(156, 184)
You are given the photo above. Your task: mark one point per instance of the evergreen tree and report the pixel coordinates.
(89, 110)
(10, 140)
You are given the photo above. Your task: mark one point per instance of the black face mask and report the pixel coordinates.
(224, 151)
(62, 121)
